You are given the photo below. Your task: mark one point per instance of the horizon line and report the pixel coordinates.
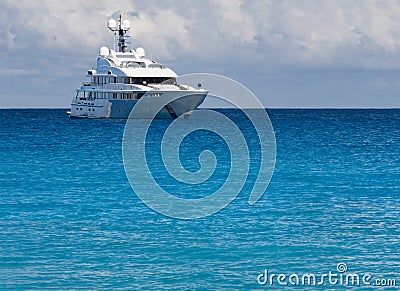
(67, 108)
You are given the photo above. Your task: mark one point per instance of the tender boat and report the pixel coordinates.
(123, 77)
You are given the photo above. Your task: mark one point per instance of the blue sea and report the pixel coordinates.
(69, 218)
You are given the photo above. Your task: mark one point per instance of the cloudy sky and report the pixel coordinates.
(294, 53)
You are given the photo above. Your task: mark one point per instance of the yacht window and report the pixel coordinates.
(79, 95)
(169, 81)
(131, 64)
(152, 80)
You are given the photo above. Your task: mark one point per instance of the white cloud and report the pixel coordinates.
(250, 36)
(314, 32)
(332, 33)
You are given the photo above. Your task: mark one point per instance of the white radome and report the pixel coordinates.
(126, 24)
(112, 24)
(104, 51)
(140, 52)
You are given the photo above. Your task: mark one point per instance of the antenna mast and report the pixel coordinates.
(122, 28)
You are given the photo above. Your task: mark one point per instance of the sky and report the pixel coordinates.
(290, 54)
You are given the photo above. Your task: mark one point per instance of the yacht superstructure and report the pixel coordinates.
(123, 77)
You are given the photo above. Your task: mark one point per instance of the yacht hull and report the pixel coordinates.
(172, 104)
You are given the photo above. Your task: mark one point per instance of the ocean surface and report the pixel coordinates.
(69, 218)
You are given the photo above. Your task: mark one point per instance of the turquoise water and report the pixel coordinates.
(70, 220)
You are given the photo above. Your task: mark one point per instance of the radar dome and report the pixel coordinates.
(126, 24)
(104, 51)
(112, 24)
(140, 52)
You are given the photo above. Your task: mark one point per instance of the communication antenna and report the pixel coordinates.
(122, 28)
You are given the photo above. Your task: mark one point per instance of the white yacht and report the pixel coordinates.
(122, 77)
